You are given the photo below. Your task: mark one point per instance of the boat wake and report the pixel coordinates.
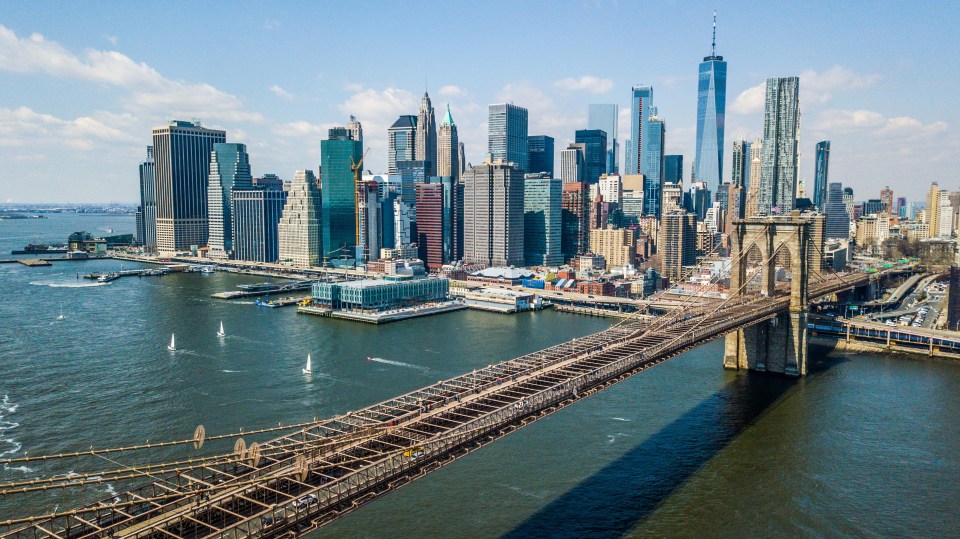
(8, 444)
(621, 419)
(244, 339)
(613, 437)
(229, 371)
(67, 284)
(187, 352)
(420, 368)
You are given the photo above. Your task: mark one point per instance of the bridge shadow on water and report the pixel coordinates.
(616, 498)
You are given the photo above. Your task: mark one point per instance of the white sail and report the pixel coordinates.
(173, 343)
(307, 369)
(221, 333)
(61, 312)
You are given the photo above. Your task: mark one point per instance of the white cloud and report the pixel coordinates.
(111, 39)
(148, 89)
(353, 86)
(280, 92)
(819, 87)
(869, 121)
(837, 120)
(451, 90)
(271, 24)
(25, 127)
(750, 101)
(589, 83)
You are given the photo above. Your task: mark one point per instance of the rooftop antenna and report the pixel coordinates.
(713, 46)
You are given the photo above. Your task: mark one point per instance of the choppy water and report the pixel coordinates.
(865, 446)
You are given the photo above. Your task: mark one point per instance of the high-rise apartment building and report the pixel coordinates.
(255, 219)
(229, 169)
(837, 216)
(448, 147)
(575, 204)
(615, 245)
(677, 245)
(821, 171)
(572, 163)
(507, 135)
(426, 137)
(147, 229)
(740, 164)
(339, 219)
(181, 171)
(711, 107)
(298, 233)
(651, 166)
(542, 221)
(641, 100)
(401, 142)
(605, 117)
(493, 214)
(540, 148)
(751, 204)
(595, 153)
(781, 131)
(673, 169)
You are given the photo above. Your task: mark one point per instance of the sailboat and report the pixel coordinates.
(221, 333)
(61, 317)
(173, 343)
(307, 369)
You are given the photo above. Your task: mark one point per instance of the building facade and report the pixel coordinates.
(781, 131)
(595, 153)
(540, 148)
(711, 108)
(837, 216)
(575, 202)
(641, 99)
(430, 225)
(507, 135)
(147, 229)
(605, 117)
(542, 221)
(182, 173)
(448, 147)
(401, 142)
(652, 165)
(426, 136)
(821, 171)
(572, 163)
(298, 233)
(615, 245)
(677, 245)
(493, 215)
(255, 219)
(339, 219)
(740, 164)
(229, 170)
(672, 169)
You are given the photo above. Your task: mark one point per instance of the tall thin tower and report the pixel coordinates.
(711, 108)
(426, 137)
(781, 129)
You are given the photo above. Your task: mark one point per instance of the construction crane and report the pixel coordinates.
(356, 168)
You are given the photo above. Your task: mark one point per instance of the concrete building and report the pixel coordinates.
(752, 203)
(575, 202)
(448, 148)
(540, 148)
(611, 188)
(298, 233)
(147, 229)
(426, 135)
(369, 224)
(493, 214)
(872, 231)
(781, 131)
(572, 163)
(255, 218)
(229, 170)
(182, 174)
(430, 224)
(542, 221)
(615, 245)
(740, 164)
(401, 142)
(677, 244)
(507, 135)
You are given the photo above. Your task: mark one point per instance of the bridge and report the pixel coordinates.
(315, 472)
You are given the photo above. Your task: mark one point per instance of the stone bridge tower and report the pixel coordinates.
(777, 345)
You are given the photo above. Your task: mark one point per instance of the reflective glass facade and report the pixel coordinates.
(507, 135)
(540, 148)
(542, 221)
(339, 215)
(604, 117)
(595, 153)
(821, 173)
(711, 107)
(641, 100)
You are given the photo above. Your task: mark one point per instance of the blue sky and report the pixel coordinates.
(81, 84)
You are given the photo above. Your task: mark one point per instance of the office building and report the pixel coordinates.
(752, 203)
(651, 165)
(401, 142)
(461, 158)
(699, 199)
(594, 143)
(781, 130)
(298, 233)
(542, 221)
(268, 181)
(426, 135)
(355, 129)
(605, 117)
(615, 245)
(677, 245)
(147, 228)
(540, 148)
(837, 215)
(402, 223)
(493, 214)
(711, 106)
(575, 201)
(673, 169)
(821, 171)
(430, 225)
(507, 136)
(182, 173)
(255, 219)
(572, 163)
(229, 170)
(339, 219)
(369, 224)
(448, 147)
(412, 174)
(451, 218)
(641, 99)
(740, 164)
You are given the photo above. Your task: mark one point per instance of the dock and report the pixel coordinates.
(34, 262)
(594, 311)
(262, 290)
(386, 316)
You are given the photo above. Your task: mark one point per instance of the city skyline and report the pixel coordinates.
(126, 79)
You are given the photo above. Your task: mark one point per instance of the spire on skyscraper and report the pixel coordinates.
(713, 46)
(448, 119)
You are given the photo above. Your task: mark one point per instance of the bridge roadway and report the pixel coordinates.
(300, 481)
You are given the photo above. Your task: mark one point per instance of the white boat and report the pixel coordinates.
(173, 343)
(61, 317)
(221, 333)
(308, 369)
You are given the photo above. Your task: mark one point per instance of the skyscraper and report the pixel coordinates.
(493, 214)
(401, 142)
(652, 164)
(426, 137)
(837, 217)
(430, 224)
(595, 153)
(229, 169)
(740, 164)
(781, 129)
(147, 233)
(542, 221)
(368, 221)
(821, 173)
(604, 117)
(678, 243)
(640, 102)
(182, 170)
(711, 106)
(673, 169)
(448, 148)
(461, 158)
(355, 129)
(255, 218)
(540, 148)
(298, 233)
(575, 221)
(507, 135)
(337, 154)
(571, 163)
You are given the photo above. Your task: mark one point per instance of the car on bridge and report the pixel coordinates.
(306, 501)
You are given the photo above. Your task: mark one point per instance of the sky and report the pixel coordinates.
(82, 84)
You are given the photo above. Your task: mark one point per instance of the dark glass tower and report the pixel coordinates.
(595, 153)
(821, 173)
(540, 148)
(711, 106)
(339, 215)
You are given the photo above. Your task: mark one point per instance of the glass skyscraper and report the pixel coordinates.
(740, 164)
(595, 153)
(821, 173)
(604, 117)
(507, 135)
(542, 221)
(837, 216)
(781, 129)
(255, 215)
(147, 231)
(672, 168)
(711, 105)
(229, 169)
(401, 142)
(641, 99)
(540, 148)
(652, 164)
(339, 215)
